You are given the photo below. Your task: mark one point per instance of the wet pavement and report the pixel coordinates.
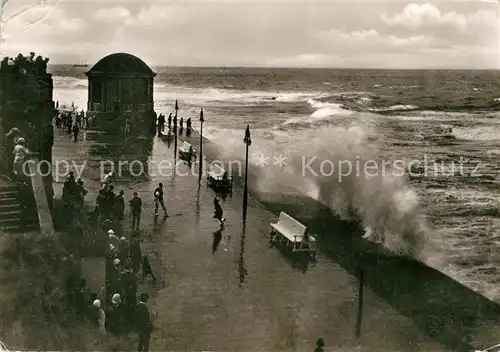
(245, 296)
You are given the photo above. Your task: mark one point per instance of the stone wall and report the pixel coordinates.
(26, 103)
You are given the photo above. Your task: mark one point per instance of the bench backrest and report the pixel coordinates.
(186, 145)
(291, 224)
(217, 170)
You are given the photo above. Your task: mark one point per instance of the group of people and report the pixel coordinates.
(170, 120)
(73, 193)
(110, 207)
(72, 122)
(114, 320)
(124, 261)
(24, 64)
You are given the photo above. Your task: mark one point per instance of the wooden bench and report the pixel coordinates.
(217, 177)
(292, 234)
(166, 135)
(187, 152)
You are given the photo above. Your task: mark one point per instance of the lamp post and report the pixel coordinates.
(242, 270)
(201, 144)
(359, 319)
(248, 142)
(175, 130)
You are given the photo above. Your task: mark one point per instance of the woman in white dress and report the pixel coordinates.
(20, 153)
(101, 318)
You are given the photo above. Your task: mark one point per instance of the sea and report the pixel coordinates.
(412, 153)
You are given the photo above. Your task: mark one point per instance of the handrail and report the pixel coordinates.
(42, 204)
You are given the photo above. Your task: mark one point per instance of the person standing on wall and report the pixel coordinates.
(144, 324)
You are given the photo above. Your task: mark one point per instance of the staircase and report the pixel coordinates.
(17, 208)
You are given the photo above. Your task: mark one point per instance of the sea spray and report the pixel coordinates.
(360, 184)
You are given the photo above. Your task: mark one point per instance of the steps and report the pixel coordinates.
(12, 202)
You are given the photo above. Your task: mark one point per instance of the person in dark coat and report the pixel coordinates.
(320, 344)
(120, 206)
(170, 121)
(144, 324)
(146, 269)
(123, 249)
(116, 316)
(158, 199)
(219, 213)
(188, 127)
(129, 289)
(76, 129)
(136, 207)
(135, 255)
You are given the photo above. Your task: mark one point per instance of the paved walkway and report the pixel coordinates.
(200, 303)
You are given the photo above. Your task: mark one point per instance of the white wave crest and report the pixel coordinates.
(398, 107)
(65, 82)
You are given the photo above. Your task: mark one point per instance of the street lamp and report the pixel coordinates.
(248, 142)
(242, 270)
(201, 144)
(175, 129)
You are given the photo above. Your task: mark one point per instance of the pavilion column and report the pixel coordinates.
(151, 90)
(91, 103)
(119, 93)
(103, 88)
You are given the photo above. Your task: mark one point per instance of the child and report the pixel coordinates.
(219, 213)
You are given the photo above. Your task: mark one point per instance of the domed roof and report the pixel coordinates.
(121, 63)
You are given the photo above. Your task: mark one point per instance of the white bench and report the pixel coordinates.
(167, 135)
(215, 177)
(293, 234)
(184, 153)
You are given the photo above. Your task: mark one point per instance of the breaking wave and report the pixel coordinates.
(65, 82)
(394, 108)
(384, 202)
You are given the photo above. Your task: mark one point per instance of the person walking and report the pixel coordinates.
(161, 124)
(120, 206)
(136, 207)
(219, 213)
(127, 125)
(144, 324)
(320, 345)
(147, 269)
(159, 199)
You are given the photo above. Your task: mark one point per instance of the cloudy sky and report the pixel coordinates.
(371, 34)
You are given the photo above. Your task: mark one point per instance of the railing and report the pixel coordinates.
(125, 107)
(42, 204)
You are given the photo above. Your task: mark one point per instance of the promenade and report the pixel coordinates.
(246, 296)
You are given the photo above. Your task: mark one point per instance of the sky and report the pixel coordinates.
(457, 34)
